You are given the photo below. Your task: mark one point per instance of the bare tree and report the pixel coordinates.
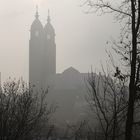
(107, 99)
(128, 12)
(79, 131)
(22, 111)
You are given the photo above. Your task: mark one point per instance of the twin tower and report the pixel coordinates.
(42, 53)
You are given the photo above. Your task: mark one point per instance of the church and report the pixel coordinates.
(42, 53)
(66, 89)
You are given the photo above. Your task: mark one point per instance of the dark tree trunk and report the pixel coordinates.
(132, 88)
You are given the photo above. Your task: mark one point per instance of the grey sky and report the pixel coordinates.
(80, 38)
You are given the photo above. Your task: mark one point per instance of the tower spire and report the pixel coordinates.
(36, 15)
(49, 19)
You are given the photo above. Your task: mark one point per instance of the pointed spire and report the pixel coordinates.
(37, 15)
(49, 19)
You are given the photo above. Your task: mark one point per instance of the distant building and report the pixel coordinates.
(67, 89)
(42, 53)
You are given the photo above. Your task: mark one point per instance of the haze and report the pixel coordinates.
(80, 38)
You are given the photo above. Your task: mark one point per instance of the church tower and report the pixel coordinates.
(36, 52)
(50, 52)
(42, 53)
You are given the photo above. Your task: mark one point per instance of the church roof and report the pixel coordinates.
(71, 70)
(48, 27)
(36, 24)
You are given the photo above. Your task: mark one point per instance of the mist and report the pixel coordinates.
(80, 37)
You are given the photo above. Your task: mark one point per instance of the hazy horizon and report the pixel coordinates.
(80, 37)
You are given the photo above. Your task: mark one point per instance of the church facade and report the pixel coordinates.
(67, 89)
(42, 53)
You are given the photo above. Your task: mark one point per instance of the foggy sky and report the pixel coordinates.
(80, 38)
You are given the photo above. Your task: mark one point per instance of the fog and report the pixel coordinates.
(80, 37)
